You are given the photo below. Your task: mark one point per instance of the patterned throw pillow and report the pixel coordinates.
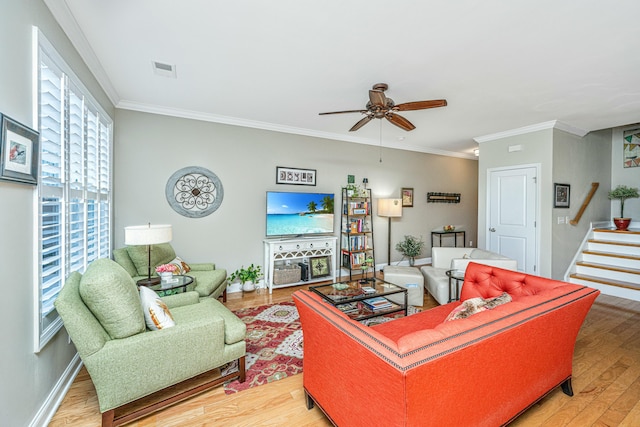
(183, 267)
(156, 313)
(476, 305)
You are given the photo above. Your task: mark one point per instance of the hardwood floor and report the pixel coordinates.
(606, 383)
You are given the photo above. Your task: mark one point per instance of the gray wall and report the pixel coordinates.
(150, 148)
(624, 176)
(563, 158)
(578, 162)
(27, 378)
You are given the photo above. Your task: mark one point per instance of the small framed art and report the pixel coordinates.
(561, 195)
(295, 176)
(18, 152)
(320, 266)
(407, 197)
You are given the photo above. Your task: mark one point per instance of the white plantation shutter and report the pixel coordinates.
(74, 198)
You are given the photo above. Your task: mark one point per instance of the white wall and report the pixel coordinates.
(150, 148)
(27, 378)
(624, 176)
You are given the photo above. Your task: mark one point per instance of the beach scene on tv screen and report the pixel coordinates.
(299, 213)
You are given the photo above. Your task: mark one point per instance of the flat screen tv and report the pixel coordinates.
(293, 214)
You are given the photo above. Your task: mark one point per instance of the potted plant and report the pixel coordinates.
(166, 271)
(368, 262)
(622, 193)
(247, 276)
(410, 247)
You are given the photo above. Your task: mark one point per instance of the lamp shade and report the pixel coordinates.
(390, 207)
(147, 234)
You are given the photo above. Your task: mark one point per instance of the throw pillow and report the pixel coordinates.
(111, 295)
(477, 305)
(156, 313)
(160, 254)
(183, 267)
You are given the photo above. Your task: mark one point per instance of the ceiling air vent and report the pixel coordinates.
(163, 69)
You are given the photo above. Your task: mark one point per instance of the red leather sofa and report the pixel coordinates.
(421, 370)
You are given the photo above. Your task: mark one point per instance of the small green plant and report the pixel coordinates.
(411, 246)
(622, 193)
(250, 274)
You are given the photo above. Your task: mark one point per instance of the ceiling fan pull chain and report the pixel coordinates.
(380, 141)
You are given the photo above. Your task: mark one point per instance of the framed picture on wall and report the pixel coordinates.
(295, 176)
(19, 152)
(407, 197)
(562, 195)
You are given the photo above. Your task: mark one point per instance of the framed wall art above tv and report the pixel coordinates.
(295, 176)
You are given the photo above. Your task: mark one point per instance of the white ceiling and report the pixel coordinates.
(501, 65)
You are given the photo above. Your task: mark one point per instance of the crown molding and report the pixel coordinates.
(553, 124)
(254, 124)
(62, 14)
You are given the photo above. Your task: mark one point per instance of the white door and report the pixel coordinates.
(512, 199)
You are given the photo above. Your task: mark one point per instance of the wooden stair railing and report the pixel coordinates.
(587, 200)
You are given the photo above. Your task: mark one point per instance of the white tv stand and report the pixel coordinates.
(286, 252)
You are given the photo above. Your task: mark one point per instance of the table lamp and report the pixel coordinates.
(390, 208)
(138, 235)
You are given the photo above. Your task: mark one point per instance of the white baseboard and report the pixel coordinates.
(53, 401)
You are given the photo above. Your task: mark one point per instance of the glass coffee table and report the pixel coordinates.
(362, 301)
(178, 285)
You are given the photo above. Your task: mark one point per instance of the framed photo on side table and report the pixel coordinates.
(320, 266)
(407, 197)
(562, 195)
(19, 152)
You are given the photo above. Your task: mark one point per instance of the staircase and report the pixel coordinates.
(609, 261)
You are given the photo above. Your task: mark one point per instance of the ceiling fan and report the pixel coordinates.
(380, 106)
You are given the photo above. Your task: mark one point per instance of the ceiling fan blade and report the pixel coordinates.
(378, 98)
(361, 123)
(342, 112)
(400, 121)
(421, 105)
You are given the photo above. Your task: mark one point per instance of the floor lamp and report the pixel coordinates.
(137, 235)
(390, 208)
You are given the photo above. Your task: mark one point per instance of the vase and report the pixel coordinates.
(166, 276)
(412, 261)
(248, 286)
(622, 223)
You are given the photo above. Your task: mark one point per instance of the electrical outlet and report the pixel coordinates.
(470, 243)
(560, 220)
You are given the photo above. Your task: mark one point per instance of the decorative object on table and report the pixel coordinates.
(449, 228)
(139, 235)
(194, 192)
(390, 208)
(622, 193)
(366, 264)
(19, 152)
(631, 148)
(561, 195)
(410, 247)
(248, 277)
(166, 272)
(319, 266)
(407, 197)
(295, 176)
(443, 197)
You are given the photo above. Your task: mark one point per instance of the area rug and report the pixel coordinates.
(274, 343)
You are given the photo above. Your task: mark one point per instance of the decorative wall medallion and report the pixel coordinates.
(194, 192)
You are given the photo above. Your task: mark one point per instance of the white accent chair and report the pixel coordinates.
(448, 258)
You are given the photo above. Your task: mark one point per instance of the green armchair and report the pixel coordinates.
(103, 316)
(209, 281)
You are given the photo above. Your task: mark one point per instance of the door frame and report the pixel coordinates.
(537, 210)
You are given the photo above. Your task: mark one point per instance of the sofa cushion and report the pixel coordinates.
(476, 305)
(112, 296)
(121, 256)
(156, 313)
(183, 267)
(482, 254)
(160, 254)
